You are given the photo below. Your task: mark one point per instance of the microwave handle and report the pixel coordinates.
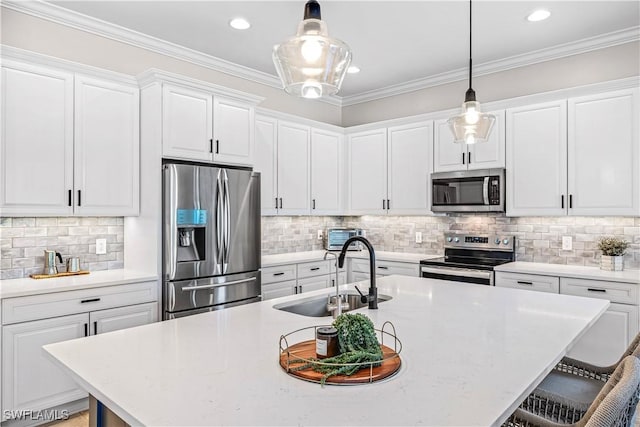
(485, 190)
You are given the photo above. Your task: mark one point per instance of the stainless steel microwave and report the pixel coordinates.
(479, 190)
(336, 238)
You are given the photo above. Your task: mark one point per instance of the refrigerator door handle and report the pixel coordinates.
(219, 223)
(227, 221)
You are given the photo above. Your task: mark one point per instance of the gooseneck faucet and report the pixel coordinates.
(372, 298)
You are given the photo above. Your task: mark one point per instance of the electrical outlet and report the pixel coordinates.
(418, 236)
(319, 234)
(364, 233)
(566, 243)
(101, 246)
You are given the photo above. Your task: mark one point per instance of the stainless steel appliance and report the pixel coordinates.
(479, 190)
(336, 237)
(211, 254)
(50, 266)
(470, 258)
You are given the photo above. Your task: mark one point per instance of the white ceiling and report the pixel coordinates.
(393, 42)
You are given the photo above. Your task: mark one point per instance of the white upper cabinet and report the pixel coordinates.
(57, 162)
(536, 159)
(326, 156)
(201, 126)
(451, 156)
(604, 154)
(232, 132)
(266, 162)
(107, 147)
(187, 123)
(409, 151)
(36, 150)
(293, 168)
(367, 172)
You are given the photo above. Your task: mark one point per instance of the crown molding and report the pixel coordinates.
(60, 15)
(10, 53)
(602, 41)
(279, 115)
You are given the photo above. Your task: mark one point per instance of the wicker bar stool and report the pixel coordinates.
(569, 389)
(614, 406)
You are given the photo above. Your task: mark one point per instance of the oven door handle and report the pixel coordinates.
(485, 190)
(215, 285)
(464, 272)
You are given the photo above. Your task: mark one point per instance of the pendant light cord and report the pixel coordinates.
(470, 37)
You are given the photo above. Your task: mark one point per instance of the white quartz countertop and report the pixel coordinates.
(28, 286)
(297, 257)
(575, 271)
(470, 354)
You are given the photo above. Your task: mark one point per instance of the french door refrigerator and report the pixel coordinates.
(211, 235)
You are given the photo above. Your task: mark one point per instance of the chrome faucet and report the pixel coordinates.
(337, 307)
(372, 298)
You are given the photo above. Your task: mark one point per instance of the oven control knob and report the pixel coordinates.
(456, 240)
(505, 241)
(497, 241)
(449, 239)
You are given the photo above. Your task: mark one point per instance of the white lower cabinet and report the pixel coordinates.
(530, 282)
(30, 381)
(290, 279)
(359, 269)
(278, 289)
(313, 283)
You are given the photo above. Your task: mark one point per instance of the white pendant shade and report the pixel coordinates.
(471, 125)
(311, 64)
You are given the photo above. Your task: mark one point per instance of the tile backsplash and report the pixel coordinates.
(539, 239)
(23, 241)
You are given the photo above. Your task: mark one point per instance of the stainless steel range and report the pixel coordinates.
(470, 258)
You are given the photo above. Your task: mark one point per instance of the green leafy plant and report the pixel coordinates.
(613, 246)
(357, 342)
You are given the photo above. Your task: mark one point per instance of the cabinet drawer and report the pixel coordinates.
(310, 269)
(278, 289)
(278, 273)
(532, 282)
(623, 293)
(386, 268)
(21, 309)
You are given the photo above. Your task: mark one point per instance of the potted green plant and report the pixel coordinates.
(613, 250)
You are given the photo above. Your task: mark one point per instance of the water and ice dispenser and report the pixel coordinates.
(192, 235)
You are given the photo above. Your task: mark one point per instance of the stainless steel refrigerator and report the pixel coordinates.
(211, 234)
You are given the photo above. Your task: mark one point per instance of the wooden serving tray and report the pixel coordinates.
(307, 350)
(64, 274)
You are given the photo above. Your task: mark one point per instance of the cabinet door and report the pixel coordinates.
(314, 283)
(409, 151)
(489, 154)
(187, 123)
(232, 132)
(537, 160)
(30, 381)
(367, 168)
(609, 337)
(107, 147)
(123, 317)
(293, 169)
(604, 154)
(326, 150)
(36, 150)
(447, 155)
(266, 162)
(278, 289)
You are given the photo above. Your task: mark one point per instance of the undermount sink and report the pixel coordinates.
(317, 306)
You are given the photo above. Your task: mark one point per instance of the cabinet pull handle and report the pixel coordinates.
(388, 204)
(278, 274)
(89, 300)
(79, 197)
(562, 201)
(384, 204)
(313, 204)
(521, 282)
(217, 146)
(314, 268)
(276, 203)
(596, 290)
(69, 197)
(570, 201)
(211, 145)
(469, 157)
(95, 328)
(463, 158)
(382, 267)
(86, 330)
(333, 282)
(280, 202)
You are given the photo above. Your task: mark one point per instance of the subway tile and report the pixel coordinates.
(23, 262)
(69, 221)
(24, 242)
(5, 221)
(35, 231)
(13, 273)
(46, 222)
(9, 232)
(23, 222)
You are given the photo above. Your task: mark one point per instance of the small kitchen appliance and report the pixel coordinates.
(336, 237)
(470, 258)
(73, 264)
(479, 190)
(50, 267)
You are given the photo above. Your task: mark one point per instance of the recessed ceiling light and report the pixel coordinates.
(353, 69)
(239, 23)
(538, 15)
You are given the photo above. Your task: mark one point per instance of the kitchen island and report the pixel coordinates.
(470, 355)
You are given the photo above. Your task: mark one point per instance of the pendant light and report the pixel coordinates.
(471, 125)
(311, 64)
